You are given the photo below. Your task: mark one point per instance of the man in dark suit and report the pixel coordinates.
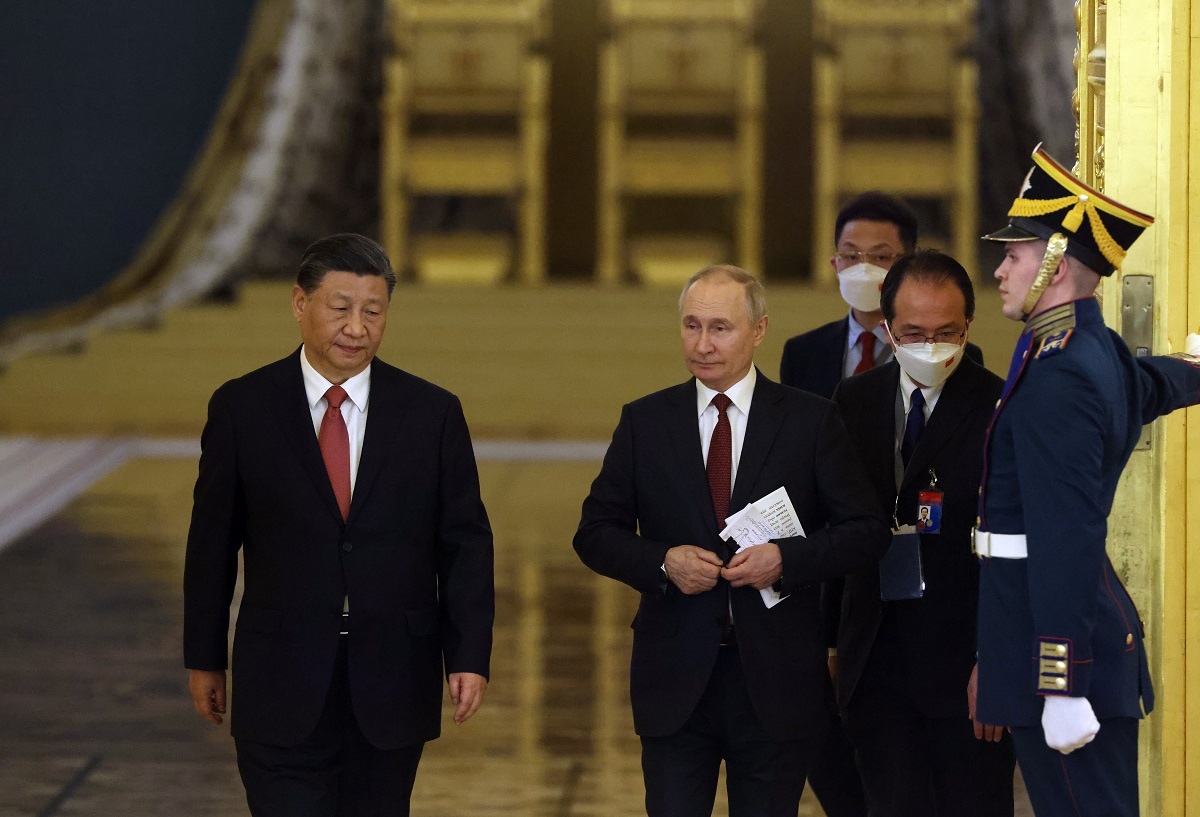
(716, 674)
(906, 652)
(351, 489)
(871, 231)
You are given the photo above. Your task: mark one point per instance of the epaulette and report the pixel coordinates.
(1053, 343)
(1051, 330)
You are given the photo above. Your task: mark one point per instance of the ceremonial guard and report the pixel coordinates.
(1061, 658)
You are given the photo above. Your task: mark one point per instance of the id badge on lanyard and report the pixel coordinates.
(929, 507)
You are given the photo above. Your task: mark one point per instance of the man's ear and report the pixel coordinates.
(1063, 270)
(299, 299)
(888, 339)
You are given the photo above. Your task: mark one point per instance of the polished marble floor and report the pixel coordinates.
(94, 714)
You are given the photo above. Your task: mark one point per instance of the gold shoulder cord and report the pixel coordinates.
(1055, 247)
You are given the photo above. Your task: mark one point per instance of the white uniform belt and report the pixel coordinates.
(999, 545)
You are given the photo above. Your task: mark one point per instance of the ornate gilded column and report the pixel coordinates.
(1138, 120)
(1091, 58)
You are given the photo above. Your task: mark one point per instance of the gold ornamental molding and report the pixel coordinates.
(1087, 102)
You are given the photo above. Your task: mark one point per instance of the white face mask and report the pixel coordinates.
(860, 286)
(928, 364)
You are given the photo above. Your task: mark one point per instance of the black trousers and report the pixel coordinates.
(334, 772)
(1099, 780)
(833, 771)
(764, 777)
(913, 765)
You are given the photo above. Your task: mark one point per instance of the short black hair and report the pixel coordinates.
(930, 266)
(343, 252)
(875, 205)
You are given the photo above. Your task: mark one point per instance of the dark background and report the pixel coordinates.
(105, 105)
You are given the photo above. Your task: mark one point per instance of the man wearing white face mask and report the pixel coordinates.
(906, 640)
(870, 232)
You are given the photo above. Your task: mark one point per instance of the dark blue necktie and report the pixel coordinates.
(913, 426)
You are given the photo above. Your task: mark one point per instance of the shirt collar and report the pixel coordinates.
(358, 388)
(857, 329)
(741, 393)
(907, 387)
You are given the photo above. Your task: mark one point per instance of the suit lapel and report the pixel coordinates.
(834, 360)
(953, 408)
(291, 406)
(762, 426)
(683, 432)
(880, 425)
(386, 413)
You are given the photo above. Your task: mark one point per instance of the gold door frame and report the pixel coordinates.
(1138, 105)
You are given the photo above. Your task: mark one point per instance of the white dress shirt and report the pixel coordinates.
(354, 407)
(354, 412)
(741, 393)
(883, 352)
(907, 387)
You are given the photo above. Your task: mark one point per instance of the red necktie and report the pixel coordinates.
(867, 340)
(720, 460)
(334, 440)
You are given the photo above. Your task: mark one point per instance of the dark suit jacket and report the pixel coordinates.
(652, 494)
(937, 632)
(814, 361)
(414, 557)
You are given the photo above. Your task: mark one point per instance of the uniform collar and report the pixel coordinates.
(1064, 316)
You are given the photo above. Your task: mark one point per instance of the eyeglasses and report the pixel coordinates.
(879, 259)
(941, 337)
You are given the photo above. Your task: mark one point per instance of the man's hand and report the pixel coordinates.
(832, 662)
(208, 693)
(759, 566)
(692, 569)
(1069, 723)
(466, 692)
(983, 731)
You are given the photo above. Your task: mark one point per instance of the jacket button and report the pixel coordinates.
(1128, 639)
(347, 547)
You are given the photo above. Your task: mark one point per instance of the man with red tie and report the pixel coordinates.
(351, 490)
(717, 675)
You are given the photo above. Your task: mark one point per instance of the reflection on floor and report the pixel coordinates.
(93, 702)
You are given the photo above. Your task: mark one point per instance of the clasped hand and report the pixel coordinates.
(693, 569)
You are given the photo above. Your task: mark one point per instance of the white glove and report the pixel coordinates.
(1191, 346)
(1069, 723)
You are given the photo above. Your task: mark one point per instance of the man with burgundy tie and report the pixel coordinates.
(351, 489)
(716, 675)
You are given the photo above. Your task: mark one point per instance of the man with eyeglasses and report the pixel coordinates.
(871, 231)
(906, 641)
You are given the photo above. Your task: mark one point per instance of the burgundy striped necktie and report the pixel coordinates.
(867, 340)
(720, 460)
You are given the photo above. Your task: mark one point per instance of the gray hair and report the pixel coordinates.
(756, 293)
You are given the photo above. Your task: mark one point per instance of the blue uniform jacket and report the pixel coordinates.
(1060, 622)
